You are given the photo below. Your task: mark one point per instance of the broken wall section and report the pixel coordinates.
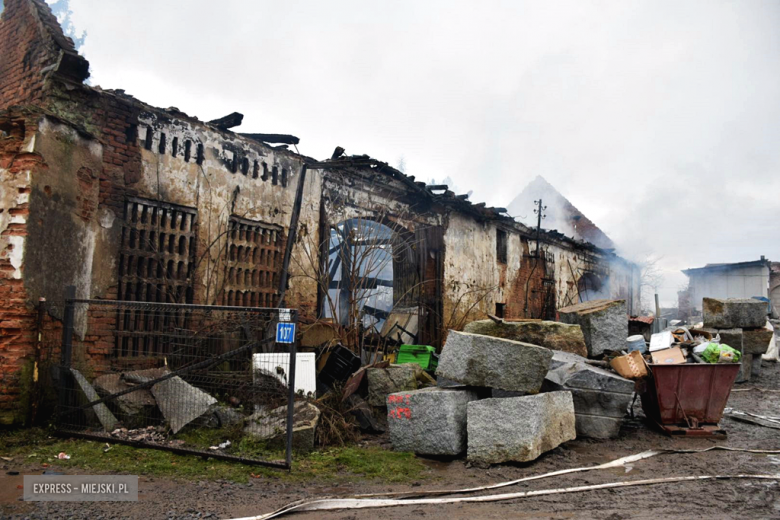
(380, 252)
(32, 49)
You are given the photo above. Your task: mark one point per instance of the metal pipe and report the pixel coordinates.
(291, 236)
(291, 394)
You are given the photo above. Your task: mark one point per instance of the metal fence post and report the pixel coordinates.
(64, 379)
(67, 326)
(291, 392)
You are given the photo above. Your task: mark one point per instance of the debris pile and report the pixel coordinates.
(271, 426)
(686, 378)
(509, 391)
(741, 324)
(164, 404)
(489, 407)
(499, 391)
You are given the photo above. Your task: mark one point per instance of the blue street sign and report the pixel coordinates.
(285, 332)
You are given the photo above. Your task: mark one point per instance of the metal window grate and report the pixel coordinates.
(501, 246)
(254, 262)
(156, 265)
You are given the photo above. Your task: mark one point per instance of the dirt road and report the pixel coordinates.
(711, 500)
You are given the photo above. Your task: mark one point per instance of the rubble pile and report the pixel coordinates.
(153, 413)
(503, 391)
(510, 391)
(490, 406)
(271, 426)
(522, 398)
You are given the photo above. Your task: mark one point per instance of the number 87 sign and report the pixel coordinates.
(285, 332)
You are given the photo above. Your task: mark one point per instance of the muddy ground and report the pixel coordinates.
(747, 499)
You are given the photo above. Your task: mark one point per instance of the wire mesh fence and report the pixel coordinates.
(205, 380)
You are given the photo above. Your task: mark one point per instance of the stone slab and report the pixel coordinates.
(518, 429)
(484, 361)
(88, 394)
(227, 416)
(271, 426)
(755, 366)
(136, 408)
(598, 427)
(562, 358)
(745, 371)
(180, 402)
(385, 381)
(443, 382)
(431, 421)
(364, 415)
(137, 377)
(549, 334)
(604, 324)
(498, 393)
(596, 394)
(733, 313)
(756, 341)
(731, 337)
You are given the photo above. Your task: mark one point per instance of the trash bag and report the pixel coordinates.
(720, 353)
(772, 354)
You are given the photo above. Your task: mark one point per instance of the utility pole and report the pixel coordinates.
(539, 210)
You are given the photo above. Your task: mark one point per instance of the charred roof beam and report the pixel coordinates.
(273, 138)
(229, 121)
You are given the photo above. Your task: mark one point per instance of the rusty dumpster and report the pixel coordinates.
(688, 399)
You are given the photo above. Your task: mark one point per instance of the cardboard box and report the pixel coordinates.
(630, 366)
(669, 356)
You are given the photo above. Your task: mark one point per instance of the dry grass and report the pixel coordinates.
(337, 426)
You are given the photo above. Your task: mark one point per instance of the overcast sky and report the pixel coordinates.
(659, 120)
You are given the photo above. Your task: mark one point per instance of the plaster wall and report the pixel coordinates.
(744, 282)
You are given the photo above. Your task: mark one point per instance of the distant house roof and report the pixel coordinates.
(726, 267)
(561, 214)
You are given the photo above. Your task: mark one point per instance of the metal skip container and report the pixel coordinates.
(688, 399)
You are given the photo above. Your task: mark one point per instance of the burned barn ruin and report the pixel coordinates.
(130, 202)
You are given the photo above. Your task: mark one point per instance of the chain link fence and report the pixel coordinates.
(193, 379)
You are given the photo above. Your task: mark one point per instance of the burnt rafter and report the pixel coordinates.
(273, 138)
(229, 121)
(377, 313)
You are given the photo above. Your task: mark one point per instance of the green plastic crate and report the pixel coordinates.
(423, 355)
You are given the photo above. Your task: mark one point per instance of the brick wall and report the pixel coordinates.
(17, 317)
(26, 52)
(33, 53)
(531, 272)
